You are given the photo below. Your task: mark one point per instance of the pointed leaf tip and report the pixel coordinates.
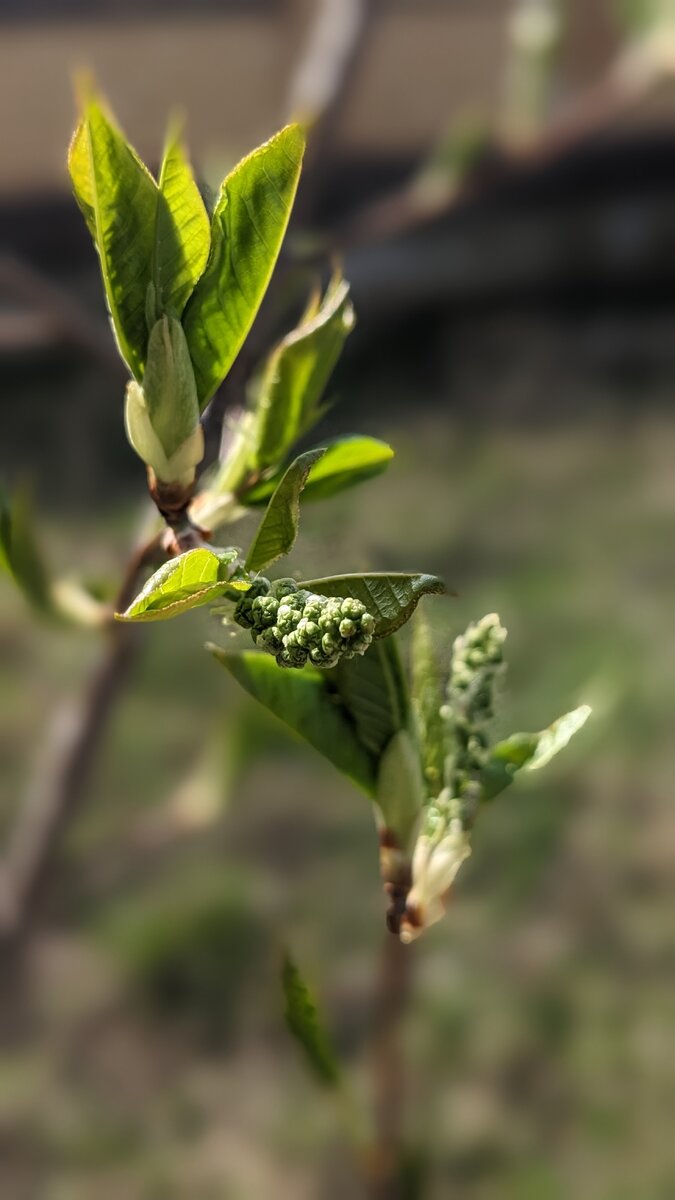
(248, 226)
(279, 527)
(557, 736)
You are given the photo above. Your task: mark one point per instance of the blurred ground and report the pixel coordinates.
(153, 1059)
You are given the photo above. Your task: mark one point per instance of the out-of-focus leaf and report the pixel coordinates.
(304, 1022)
(427, 698)
(248, 226)
(306, 703)
(505, 759)
(182, 231)
(289, 394)
(118, 198)
(554, 739)
(19, 553)
(346, 462)
(192, 579)
(529, 751)
(169, 386)
(391, 598)
(642, 16)
(279, 527)
(77, 604)
(374, 692)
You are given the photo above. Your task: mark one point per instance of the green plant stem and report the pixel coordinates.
(392, 993)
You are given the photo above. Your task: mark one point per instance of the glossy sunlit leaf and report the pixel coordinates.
(182, 231)
(279, 527)
(391, 598)
(118, 198)
(309, 706)
(247, 229)
(427, 698)
(347, 461)
(192, 579)
(529, 750)
(306, 1026)
(292, 384)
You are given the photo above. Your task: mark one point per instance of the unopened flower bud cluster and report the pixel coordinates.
(476, 664)
(299, 627)
(444, 839)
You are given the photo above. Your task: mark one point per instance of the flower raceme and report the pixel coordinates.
(299, 627)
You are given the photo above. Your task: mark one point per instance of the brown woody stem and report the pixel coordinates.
(71, 746)
(385, 1181)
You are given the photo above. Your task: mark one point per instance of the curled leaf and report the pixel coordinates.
(191, 580)
(391, 597)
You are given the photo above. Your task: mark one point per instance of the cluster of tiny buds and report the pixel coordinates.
(477, 656)
(299, 627)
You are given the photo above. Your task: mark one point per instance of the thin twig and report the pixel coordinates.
(597, 108)
(387, 1069)
(65, 765)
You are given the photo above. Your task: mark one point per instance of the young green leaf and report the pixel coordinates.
(192, 579)
(279, 527)
(391, 598)
(554, 739)
(19, 553)
(306, 703)
(374, 692)
(182, 231)
(118, 198)
(169, 386)
(529, 751)
(427, 698)
(400, 786)
(303, 1021)
(506, 758)
(347, 461)
(248, 226)
(288, 400)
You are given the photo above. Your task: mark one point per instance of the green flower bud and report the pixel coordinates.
(360, 644)
(242, 613)
(368, 623)
(264, 610)
(308, 632)
(285, 587)
(169, 385)
(286, 617)
(259, 587)
(179, 468)
(297, 626)
(271, 640)
(352, 608)
(320, 658)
